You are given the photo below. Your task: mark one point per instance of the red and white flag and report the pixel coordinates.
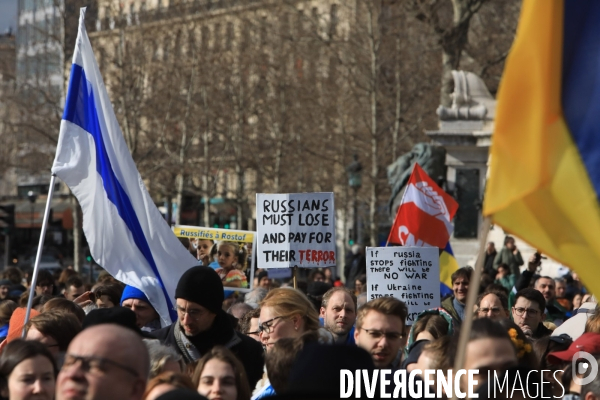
(424, 215)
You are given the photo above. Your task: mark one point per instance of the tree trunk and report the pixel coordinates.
(206, 173)
(374, 144)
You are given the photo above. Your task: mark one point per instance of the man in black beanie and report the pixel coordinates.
(202, 324)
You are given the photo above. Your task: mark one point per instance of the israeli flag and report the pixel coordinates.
(125, 231)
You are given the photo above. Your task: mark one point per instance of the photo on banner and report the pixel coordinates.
(295, 229)
(238, 248)
(410, 274)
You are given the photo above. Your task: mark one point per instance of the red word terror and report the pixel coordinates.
(316, 256)
(305, 256)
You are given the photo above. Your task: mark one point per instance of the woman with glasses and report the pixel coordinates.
(284, 313)
(27, 371)
(220, 375)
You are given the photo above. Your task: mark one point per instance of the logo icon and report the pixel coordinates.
(583, 364)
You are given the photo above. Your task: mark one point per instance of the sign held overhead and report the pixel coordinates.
(296, 229)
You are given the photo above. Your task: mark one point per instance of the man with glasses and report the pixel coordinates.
(202, 324)
(528, 313)
(248, 324)
(380, 329)
(104, 362)
(44, 283)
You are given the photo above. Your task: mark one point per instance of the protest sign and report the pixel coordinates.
(410, 274)
(295, 229)
(238, 274)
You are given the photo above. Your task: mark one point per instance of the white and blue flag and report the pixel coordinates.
(125, 231)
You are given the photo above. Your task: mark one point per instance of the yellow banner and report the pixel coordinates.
(215, 234)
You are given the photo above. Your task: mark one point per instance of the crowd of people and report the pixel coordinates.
(105, 341)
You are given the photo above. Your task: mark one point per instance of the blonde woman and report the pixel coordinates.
(285, 313)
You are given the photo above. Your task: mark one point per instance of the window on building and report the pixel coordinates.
(205, 38)
(217, 37)
(300, 24)
(166, 49)
(263, 31)
(177, 47)
(333, 20)
(191, 49)
(229, 36)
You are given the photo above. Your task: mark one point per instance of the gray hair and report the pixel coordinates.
(160, 355)
(560, 280)
(254, 298)
(239, 309)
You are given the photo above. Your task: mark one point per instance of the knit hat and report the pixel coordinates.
(17, 321)
(115, 315)
(201, 285)
(132, 293)
(5, 282)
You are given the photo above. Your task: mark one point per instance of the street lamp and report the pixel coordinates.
(354, 171)
(32, 196)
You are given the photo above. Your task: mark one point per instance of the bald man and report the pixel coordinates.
(104, 362)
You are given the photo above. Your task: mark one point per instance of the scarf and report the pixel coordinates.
(460, 308)
(220, 333)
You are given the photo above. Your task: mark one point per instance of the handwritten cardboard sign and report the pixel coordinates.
(295, 230)
(410, 274)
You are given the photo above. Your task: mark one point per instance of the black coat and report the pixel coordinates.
(246, 349)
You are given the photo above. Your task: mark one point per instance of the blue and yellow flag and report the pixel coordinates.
(545, 158)
(448, 265)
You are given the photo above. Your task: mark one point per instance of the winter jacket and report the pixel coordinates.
(246, 349)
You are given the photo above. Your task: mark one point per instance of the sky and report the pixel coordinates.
(8, 15)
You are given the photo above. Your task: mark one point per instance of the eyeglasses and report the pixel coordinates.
(96, 365)
(520, 311)
(494, 310)
(193, 314)
(375, 334)
(268, 325)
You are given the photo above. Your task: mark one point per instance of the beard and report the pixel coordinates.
(336, 329)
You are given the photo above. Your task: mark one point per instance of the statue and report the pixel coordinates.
(471, 99)
(431, 158)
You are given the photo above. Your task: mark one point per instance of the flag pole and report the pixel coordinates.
(294, 276)
(39, 253)
(467, 323)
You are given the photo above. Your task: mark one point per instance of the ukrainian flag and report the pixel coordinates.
(448, 265)
(545, 158)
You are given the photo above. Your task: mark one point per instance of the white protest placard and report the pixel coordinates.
(295, 229)
(410, 274)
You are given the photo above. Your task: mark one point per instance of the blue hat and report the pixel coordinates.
(132, 293)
